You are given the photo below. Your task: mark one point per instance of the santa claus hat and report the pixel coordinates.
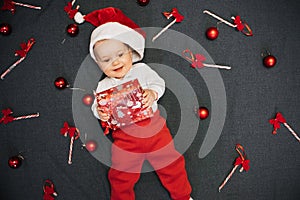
(111, 23)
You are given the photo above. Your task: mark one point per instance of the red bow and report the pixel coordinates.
(241, 160)
(9, 5)
(6, 116)
(49, 191)
(240, 26)
(196, 60)
(175, 14)
(276, 122)
(25, 48)
(72, 131)
(71, 12)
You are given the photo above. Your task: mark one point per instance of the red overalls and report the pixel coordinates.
(149, 140)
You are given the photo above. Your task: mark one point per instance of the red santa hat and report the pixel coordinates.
(111, 23)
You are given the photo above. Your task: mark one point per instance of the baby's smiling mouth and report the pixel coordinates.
(118, 69)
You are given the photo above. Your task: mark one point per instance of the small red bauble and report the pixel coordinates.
(203, 112)
(88, 99)
(15, 162)
(212, 33)
(143, 2)
(269, 61)
(72, 30)
(5, 29)
(91, 145)
(60, 83)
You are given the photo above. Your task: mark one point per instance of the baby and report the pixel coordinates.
(115, 45)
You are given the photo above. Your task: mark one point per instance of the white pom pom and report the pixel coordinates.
(79, 18)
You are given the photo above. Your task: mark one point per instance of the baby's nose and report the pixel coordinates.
(116, 61)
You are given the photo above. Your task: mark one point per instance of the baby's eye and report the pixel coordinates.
(120, 54)
(106, 60)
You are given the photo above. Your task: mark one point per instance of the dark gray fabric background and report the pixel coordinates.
(254, 95)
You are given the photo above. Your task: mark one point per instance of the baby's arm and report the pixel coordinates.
(153, 85)
(149, 96)
(153, 82)
(97, 111)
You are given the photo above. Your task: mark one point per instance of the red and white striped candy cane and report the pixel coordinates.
(241, 160)
(25, 48)
(27, 116)
(11, 67)
(228, 177)
(196, 60)
(27, 5)
(178, 18)
(74, 137)
(292, 131)
(219, 18)
(7, 116)
(276, 124)
(238, 24)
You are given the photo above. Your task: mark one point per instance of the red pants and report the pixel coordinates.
(147, 140)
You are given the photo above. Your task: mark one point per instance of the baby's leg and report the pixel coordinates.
(175, 180)
(125, 169)
(122, 184)
(170, 166)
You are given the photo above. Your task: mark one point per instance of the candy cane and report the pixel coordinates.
(228, 177)
(70, 151)
(219, 18)
(163, 30)
(27, 5)
(178, 18)
(25, 48)
(27, 116)
(10, 5)
(276, 125)
(238, 24)
(292, 131)
(11, 67)
(8, 118)
(196, 60)
(74, 137)
(217, 66)
(241, 160)
(74, 134)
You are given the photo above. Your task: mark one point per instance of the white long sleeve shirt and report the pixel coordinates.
(147, 78)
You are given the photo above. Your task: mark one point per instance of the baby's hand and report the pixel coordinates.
(104, 116)
(149, 97)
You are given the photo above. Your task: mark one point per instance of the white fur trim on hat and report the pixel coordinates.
(79, 18)
(122, 33)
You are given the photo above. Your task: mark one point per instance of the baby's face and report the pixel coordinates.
(113, 57)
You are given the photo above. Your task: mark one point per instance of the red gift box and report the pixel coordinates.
(124, 104)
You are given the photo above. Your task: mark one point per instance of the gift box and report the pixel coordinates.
(124, 105)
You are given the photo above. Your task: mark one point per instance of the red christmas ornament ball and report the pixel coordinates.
(15, 161)
(88, 99)
(5, 29)
(212, 33)
(203, 112)
(72, 30)
(269, 61)
(143, 2)
(91, 145)
(60, 83)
